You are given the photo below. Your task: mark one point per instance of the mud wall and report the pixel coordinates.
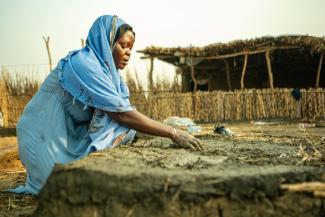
(229, 178)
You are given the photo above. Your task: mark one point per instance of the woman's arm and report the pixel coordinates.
(137, 121)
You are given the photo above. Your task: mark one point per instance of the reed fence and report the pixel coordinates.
(216, 106)
(249, 104)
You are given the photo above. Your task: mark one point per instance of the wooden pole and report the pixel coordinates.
(194, 101)
(82, 42)
(319, 70)
(151, 74)
(193, 78)
(47, 44)
(263, 50)
(243, 72)
(304, 187)
(269, 67)
(227, 74)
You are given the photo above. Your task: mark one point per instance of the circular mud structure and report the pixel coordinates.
(233, 176)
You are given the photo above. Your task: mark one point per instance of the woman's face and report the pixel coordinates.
(122, 49)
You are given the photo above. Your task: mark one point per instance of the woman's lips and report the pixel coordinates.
(125, 62)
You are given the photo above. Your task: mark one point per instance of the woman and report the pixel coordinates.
(83, 106)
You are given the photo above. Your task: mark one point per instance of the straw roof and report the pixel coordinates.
(310, 43)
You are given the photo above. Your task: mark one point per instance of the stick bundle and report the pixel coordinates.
(317, 188)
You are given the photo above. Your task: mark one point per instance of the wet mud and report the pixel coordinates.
(233, 176)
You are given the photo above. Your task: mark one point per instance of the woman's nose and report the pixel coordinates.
(128, 52)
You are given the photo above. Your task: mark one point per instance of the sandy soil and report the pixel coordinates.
(239, 174)
(12, 173)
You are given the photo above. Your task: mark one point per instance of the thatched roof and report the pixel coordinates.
(283, 61)
(313, 44)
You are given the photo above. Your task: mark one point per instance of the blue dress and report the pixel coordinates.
(57, 128)
(67, 118)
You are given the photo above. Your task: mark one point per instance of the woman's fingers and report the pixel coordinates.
(187, 140)
(199, 143)
(187, 144)
(196, 144)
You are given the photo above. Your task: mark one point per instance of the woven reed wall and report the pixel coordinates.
(16, 89)
(213, 106)
(11, 108)
(248, 104)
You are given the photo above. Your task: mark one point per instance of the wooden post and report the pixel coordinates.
(193, 77)
(319, 70)
(47, 44)
(151, 74)
(269, 67)
(195, 88)
(227, 74)
(243, 72)
(82, 42)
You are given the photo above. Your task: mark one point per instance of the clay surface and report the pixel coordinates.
(232, 176)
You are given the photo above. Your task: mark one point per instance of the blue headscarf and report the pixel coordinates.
(90, 74)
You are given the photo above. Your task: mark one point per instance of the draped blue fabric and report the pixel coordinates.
(67, 118)
(90, 74)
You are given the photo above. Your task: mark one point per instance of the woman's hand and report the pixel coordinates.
(186, 140)
(137, 121)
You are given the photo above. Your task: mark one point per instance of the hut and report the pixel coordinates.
(291, 61)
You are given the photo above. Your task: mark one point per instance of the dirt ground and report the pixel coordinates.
(233, 176)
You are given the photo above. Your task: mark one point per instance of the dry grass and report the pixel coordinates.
(16, 90)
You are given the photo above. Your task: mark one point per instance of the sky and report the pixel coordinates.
(166, 23)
